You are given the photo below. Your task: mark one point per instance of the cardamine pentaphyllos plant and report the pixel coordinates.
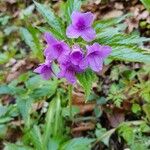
(73, 59)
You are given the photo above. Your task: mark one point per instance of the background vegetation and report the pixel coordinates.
(35, 114)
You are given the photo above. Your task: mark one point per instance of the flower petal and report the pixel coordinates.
(95, 63)
(71, 32)
(76, 55)
(70, 76)
(44, 70)
(87, 18)
(49, 38)
(38, 69)
(47, 75)
(83, 64)
(88, 35)
(105, 51)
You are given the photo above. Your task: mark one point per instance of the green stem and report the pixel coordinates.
(70, 99)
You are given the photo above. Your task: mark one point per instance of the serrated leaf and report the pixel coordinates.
(108, 33)
(86, 79)
(72, 5)
(127, 53)
(77, 144)
(101, 24)
(25, 104)
(33, 42)
(51, 30)
(125, 39)
(51, 19)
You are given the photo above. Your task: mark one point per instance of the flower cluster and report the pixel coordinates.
(73, 60)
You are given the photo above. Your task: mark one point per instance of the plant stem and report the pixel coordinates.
(70, 88)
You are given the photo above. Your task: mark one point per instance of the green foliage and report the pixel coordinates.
(36, 89)
(143, 88)
(127, 133)
(77, 144)
(32, 40)
(27, 12)
(125, 47)
(72, 5)
(146, 4)
(54, 123)
(146, 109)
(136, 108)
(133, 135)
(103, 135)
(29, 90)
(36, 137)
(116, 95)
(51, 19)
(86, 79)
(10, 146)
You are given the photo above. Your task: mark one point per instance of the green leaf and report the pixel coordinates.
(4, 89)
(32, 41)
(104, 136)
(40, 88)
(51, 19)
(53, 144)
(146, 108)
(36, 137)
(77, 144)
(101, 24)
(27, 11)
(146, 4)
(72, 5)
(126, 47)
(86, 79)
(4, 58)
(51, 30)
(3, 130)
(136, 108)
(127, 133)
(108, 33)
(127, 39)
(11, 146)
(25, 105)
(54, 123)
(127, 53)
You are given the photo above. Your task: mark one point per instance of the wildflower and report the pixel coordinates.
(45, 70)
(55, 49)
(76, 56)
(95, 56)
(68, 70)
(81, 26)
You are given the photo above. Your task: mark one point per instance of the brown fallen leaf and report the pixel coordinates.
(116, 117)
(83, 127)
(86, 108)
(113, 14)
(78, 98)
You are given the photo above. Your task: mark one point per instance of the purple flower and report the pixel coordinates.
(81, 26)
(45, 70)
(68, 70)
(76, 56)
(95, 56)
(55, 49)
